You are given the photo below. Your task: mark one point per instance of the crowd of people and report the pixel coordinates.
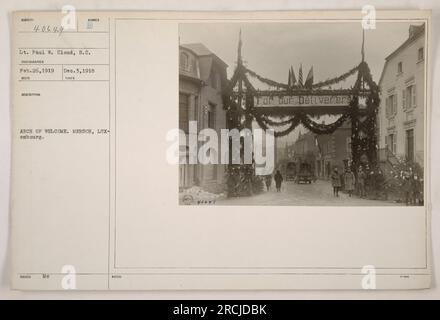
(359, 184)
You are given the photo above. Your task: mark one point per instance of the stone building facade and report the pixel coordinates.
(202, 75)
(401, 112)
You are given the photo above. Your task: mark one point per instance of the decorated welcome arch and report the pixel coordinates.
(285, 106)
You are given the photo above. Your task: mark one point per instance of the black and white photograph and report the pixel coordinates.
(320, 113)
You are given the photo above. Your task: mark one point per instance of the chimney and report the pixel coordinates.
(413, 30)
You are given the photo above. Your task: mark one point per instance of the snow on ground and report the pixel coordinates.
(196, 194)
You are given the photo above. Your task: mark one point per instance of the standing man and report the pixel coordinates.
(278, 180)
(361, 182)
(268, 180)
(349, 181)
(336, 182)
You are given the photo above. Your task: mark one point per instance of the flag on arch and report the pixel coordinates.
(309, 79)
(293, 76)
(289, 79)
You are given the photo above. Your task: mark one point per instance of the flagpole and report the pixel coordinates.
(363, 54)
(239, 60)
(363, 44)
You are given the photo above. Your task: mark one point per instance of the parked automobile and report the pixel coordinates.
(305, 173)
(290, 171)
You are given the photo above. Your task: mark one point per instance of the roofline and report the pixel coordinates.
(406, 43)
(383, 72)
(197, 81)
(204, 55)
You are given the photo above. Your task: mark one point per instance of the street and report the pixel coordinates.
(319, 193)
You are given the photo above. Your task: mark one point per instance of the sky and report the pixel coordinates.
(269, 48)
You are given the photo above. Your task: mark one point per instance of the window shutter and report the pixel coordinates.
(404, 99)
(390, 111)
(394, 144)
(387, 106)
(394, 100)
(413, 91)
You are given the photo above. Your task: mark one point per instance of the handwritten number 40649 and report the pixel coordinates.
(48, 29)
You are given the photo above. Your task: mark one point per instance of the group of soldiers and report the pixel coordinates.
(373, 184)
(348, 181)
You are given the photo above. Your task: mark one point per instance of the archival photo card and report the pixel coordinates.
(220, 150)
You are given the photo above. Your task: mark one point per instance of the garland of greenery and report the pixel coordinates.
(319, 128)
(242, 181)
(335, 80)
(314, 86)
(266, 80)
(293, 123)
(364, 120)
(271, 122)
(300, 118)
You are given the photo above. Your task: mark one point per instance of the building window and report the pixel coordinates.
(391, 105)
(409, 116)
(214, 80)
(420, 54)
(410, 145)
(409, 97)
(183, 111)
(391, 142)
(182, 176)
(211, 115)
(184, 61)
(196, 108)
(399, 68)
